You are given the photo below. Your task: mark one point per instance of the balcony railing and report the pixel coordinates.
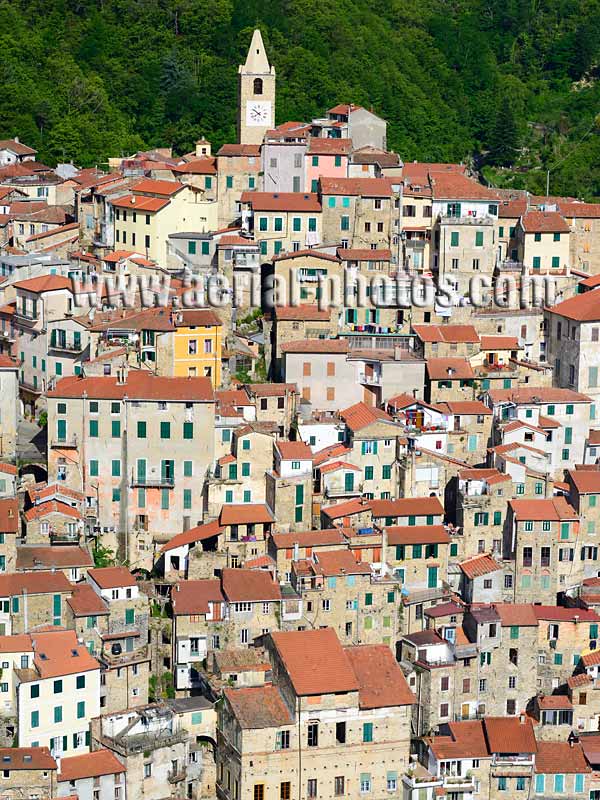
(373, 379)
(69, 347)
(64, 442)
(165, 481)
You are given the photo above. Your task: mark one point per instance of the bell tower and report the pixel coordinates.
(256, 88)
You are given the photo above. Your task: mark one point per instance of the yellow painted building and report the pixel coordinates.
(197, 345)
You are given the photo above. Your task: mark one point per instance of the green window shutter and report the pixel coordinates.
(115, 429)
(299, 494)
(164, 499)
(367, 731)
(188, 430)
(555, 262)
(187, 499)
(386, 472)
(116, 495)
(514, 631)
(233, 472)
(165, 430)
(296, 224)
(569, 409)
(229, 182)
(564, 530)
(205, 248)
(93, 429)
(497, 518)
(298, 514)
(417, 550)
(187, 469)
(141, 498)
(81, 709)
(129, 616)
(58, 714)
(399, 552)
(93, 468)
(245, 469)
(116, 468)
(453, 549)
(141, 429)
(454, 239)
(537, 262)
(568, 435)
(478, 238)
(593, 631)
(369, 599)
(412, 520)
(368, 473)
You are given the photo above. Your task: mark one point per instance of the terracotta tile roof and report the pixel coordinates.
(85, 602)
(244, 513)
(360, 415)
(140, 385)
(51, 507)
(586, 481)
(538, 394)
(552, 701)
(322, 538)
(456, 186)
(560, 757)
(239, 150)
(19, 149)
(17, 758)
(271, 389)
(161, 188)
(13, 583)
(407, 506)
(248, 585)
(451, 334)
(260, 562)
(304, 312)
(197, 534)
(44, 283)
(331, 451)
(516, 614)
(401, 401)
(419, 171)
(9, 515)
(20, 643)
(112, 577)
(509, 735)
(59, 653)
(34, 557)
(356, 506)
(444, 369)
(89, 765)
(233, 397)
(580, 210)
(198, 166)
(381, 682)
(489, 475)
(9, 469)
(296, 451)
(479, 565)
(318, 145)
(364, 255)
(579, 680)
(590, 659)
(444, 610)
(562, 614)
(335, 465)
(315, 346)
(364, 187)
(551, 509)
(196, 317)
(581, 307)
(193, 597)
(544, 222)
(513, 208)
(338, 562)
(594, 437)
(465, 407)
(315, 662)
(499, 343)
(233, 240)
(71, 226)
(466, 740)
(417, 534)
(308, 253)
(139, 203)
(282, 201)
(259, 707)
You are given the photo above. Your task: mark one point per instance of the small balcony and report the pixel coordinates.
(147, 482)
(67, 347)
(344, 491)
(64, 443)
(176, 776)
(373, 380)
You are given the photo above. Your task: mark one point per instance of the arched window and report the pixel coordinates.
(258, 86)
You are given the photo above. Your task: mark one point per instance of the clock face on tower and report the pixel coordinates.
(258, 112)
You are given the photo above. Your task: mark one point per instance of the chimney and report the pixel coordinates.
(522, 718)
(17, 139)
(132, 199)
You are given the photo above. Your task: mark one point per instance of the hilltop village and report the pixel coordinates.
(295, 551)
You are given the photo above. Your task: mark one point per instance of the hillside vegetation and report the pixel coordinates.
(504, 83)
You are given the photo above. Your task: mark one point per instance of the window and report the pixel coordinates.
(58, 714)
(93, 468)
(165, 430)
(365, 783)
(115, 429)
(502, 784)
(93, 428)
(367, 732)
(58, 687)
(311, 788)
(284, 790)
(81, 680)
(313, 734)
(282, 740)
(454, 239)
(81, 709)
(141, 429)
(338, 783)
(188, 430)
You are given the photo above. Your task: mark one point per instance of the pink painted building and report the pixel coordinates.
(326, 158)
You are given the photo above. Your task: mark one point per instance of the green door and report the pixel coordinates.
(61, 430)
(432, 577)
(349, 482)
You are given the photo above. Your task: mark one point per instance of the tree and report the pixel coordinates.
(504, 138)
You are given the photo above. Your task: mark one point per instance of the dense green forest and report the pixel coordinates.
(513, 85)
